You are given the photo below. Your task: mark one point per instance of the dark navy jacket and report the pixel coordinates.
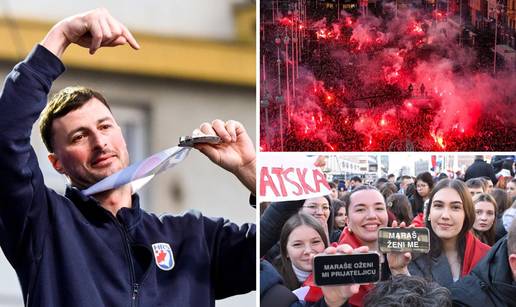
(69, 251)
(490, 283)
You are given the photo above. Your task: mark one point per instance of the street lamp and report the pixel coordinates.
(264, 103)
(497, 10)
(460, 23)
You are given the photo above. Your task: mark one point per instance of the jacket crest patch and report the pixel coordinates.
(163, 256)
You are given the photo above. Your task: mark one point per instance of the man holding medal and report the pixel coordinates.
(103, 249)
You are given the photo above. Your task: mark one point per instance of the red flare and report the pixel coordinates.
(286, 21)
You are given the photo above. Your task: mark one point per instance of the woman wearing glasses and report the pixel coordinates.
(424, 185)
(321, 209)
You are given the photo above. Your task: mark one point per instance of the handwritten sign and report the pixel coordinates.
(341, 269)
(290, 177)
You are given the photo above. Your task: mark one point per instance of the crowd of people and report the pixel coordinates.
(472, 255)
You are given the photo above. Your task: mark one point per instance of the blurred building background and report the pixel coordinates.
(196, 64)
(370, 167)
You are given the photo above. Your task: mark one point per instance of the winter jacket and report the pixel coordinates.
(272, 290)
(490, 283)
(438, 269)
(69, 251)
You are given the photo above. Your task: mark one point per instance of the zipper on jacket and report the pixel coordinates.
(136, 287)
(127, 247)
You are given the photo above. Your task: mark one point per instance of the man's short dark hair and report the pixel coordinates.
(65, 101)
(356, 178)
(390, 176)
(405, 177)
(442, 176)
(380, 181)
(475, 183)
(408, 291)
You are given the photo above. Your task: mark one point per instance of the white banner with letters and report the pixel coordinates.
(290, 176)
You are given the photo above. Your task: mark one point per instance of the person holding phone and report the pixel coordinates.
(367, 213)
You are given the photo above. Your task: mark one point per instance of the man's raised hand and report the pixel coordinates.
(92, 30)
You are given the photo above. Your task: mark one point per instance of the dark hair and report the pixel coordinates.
(65, 101)
(442, 176)
(345, 198)
(410, 190)
(418, 202)
(390, 175)
(356, 178)
(502, 200)
(475, 183)
(408, 291)
(489, 236)
(399, 205)
(285, 267)
(386, 192)
(469, 217)
(484, 183)
(332, 185)
(388, 185)
(337, 204)
(380, 181)
(427, 178)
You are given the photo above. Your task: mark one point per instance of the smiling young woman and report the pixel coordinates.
(366, 213)
(301, 238)
(454, 251)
